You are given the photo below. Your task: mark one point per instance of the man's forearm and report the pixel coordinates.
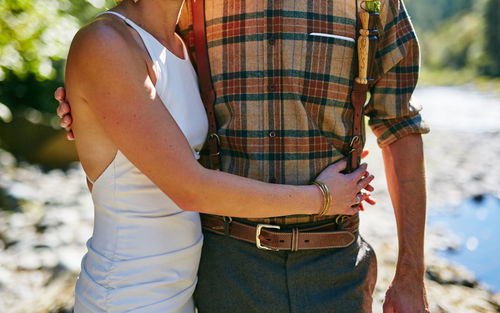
(404, 166)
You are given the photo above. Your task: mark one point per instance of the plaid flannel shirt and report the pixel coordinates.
(283, 105)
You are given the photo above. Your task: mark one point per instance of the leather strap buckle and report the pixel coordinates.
(355, 141)
(216, 140)
(257, 236)
(214, 136)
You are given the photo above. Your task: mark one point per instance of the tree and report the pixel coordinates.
(492, 37)
(34, 40)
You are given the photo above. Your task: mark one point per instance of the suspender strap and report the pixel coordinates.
(358, 99)
(366, 46)
(205, 79)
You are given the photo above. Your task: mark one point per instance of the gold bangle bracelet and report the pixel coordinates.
(327, 197)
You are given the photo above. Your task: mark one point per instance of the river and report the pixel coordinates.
(474, 221)
(460, 108)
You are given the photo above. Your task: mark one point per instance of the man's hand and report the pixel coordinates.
(404, 167)
(406, 296)
(64, 112)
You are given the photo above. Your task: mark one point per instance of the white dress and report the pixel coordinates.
(144, 251)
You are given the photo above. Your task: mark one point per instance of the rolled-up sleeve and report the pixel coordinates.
(392, 112)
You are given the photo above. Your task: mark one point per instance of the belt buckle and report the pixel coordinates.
(257, 234)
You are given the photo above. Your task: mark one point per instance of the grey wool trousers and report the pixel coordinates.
(235, 276)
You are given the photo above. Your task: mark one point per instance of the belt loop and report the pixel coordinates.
(340, 221)
(227, 224)
(295, 239)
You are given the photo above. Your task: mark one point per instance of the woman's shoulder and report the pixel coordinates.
(102, 35)
(99, 51)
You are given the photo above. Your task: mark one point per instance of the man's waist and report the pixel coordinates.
(295, 220)
(332, 232)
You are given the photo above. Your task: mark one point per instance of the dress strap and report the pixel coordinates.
(128, 21)
(114, 13)
(142, 32)
(151, 43)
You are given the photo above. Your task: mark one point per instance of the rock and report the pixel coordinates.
(8, 202)
(58, 296)
(48, 257)
(29, 260)
(459, 299)
(71, 257)
(478, 198)
(451, 275)
(7, 160)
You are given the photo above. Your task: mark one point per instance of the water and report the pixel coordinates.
(459, 108)
(476, 223)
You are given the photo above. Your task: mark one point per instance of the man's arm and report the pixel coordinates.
(395, 120)
(404, 167)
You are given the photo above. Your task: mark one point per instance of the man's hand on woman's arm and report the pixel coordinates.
(64, 112)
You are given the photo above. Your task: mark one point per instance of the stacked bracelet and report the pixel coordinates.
(327, 197)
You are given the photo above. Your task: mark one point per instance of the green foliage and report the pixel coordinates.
(458, 35)
(34, 40)
(428, 14)
(457, 43)
(371, 6)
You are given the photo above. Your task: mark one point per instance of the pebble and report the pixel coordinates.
(45, 239)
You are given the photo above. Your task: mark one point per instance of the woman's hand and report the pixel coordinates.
(347, 190)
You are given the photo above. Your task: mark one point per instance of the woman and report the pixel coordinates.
(138, 122)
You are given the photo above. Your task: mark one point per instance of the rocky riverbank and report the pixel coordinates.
(462, 161)
(452, 176)
(46, 218)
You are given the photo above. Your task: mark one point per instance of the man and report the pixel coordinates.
(283, 73)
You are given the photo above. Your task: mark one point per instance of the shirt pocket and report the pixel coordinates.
(325, 82)
(327, 66)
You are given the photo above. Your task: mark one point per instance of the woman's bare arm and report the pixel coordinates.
(104, 75)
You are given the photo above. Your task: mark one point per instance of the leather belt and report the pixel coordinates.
(269, 237)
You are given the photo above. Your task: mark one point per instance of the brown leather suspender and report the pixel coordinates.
(205, 80)
(366, 46)
(358, 99)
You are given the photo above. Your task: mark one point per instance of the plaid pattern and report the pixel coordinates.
(283, 96)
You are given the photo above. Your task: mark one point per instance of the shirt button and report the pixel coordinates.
(272, 134)
(271, 40)
(272, 87)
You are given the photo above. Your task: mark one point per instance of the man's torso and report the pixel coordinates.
(282, 95)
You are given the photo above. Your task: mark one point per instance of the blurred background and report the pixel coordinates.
(46, 212)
